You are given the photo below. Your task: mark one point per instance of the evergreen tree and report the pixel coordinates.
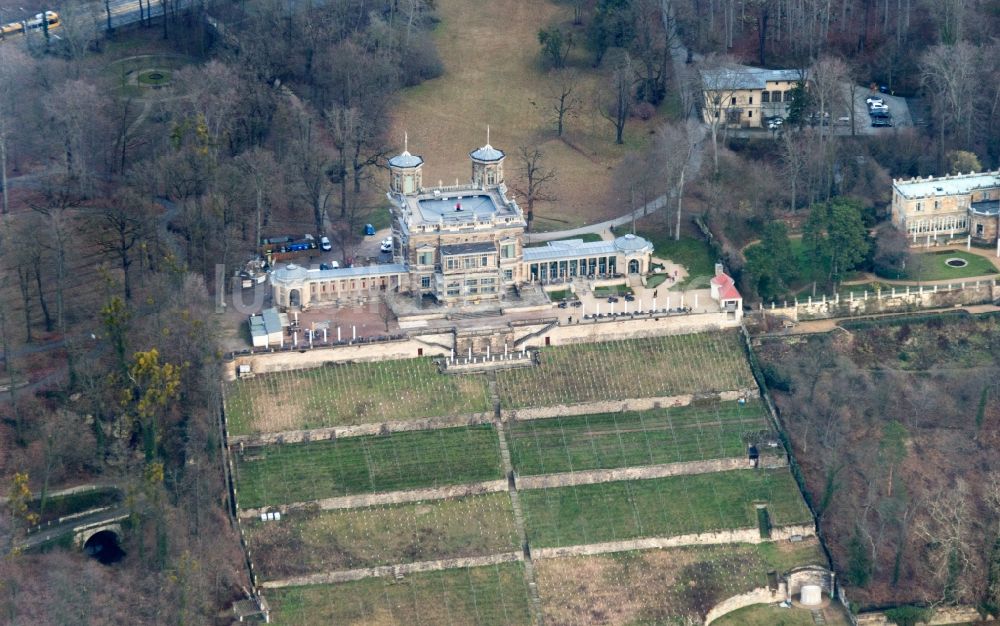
(771, 263)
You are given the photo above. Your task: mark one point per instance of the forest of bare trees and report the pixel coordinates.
(120, 207)
(902, 477)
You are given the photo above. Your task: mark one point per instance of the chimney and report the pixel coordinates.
(719, 270)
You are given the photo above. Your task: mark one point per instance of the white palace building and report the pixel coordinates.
(457, 245)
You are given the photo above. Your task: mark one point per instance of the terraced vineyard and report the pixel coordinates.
(283, 474)
(421, 524)
(350, 393)
(610, 440)
(366, 537)
(661, 507)
(474, 595)
(651, 586)
(633, 368)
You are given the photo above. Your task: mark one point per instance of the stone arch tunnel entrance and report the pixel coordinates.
(104, 546)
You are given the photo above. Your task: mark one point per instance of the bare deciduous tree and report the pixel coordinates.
(676, 144)
(563, 95)
(828, 77)
(536, 179)
(720, 80)
(615, 101)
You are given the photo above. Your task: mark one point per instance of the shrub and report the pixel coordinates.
(420, 61)
(907, 615)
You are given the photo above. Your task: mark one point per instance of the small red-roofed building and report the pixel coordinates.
(725, 293)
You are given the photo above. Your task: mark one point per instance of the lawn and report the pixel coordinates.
(694, 254)
(350, 393)
(483, 596)
(932, 266)
(310, 542)
(648, 586)
(559, 295)
(611, 290)
(766, 615)
(282, 474)
(691, 433)
(585, 237)
(631, 368)
(676, 505)
(447, 117)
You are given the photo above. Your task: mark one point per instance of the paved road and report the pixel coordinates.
(56, 531)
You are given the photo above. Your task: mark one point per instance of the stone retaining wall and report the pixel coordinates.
(590, 477)
(616, 406)
(742, 535)
(760, 595)
(888, 300)
(360, 430)
(633, 328)
(819, 576)
(388, 497)
(400, 570)
(440, 343)
(305, 358)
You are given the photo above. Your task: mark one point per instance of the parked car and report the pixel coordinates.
(332, 265)
(386, 245)
(612, 299)
(881, 121)
(878, 107)
(369, 230)
(870, 100)
(324, 244)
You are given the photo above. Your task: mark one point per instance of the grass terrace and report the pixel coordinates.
(660, 507)
(632, 368)
(310, 542)
(350, 393)
(477, 595)
(611, 440)
(646, 587)
(282, 474)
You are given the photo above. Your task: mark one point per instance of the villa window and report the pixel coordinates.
(508, 274)
(732, 101)
(484, 261)
(425, 258)
(979, 230)
(425, 282)
(765, 97)
(507, 251)
(751, 100)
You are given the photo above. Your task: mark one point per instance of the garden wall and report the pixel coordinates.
(761, 595)
(889, 300)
